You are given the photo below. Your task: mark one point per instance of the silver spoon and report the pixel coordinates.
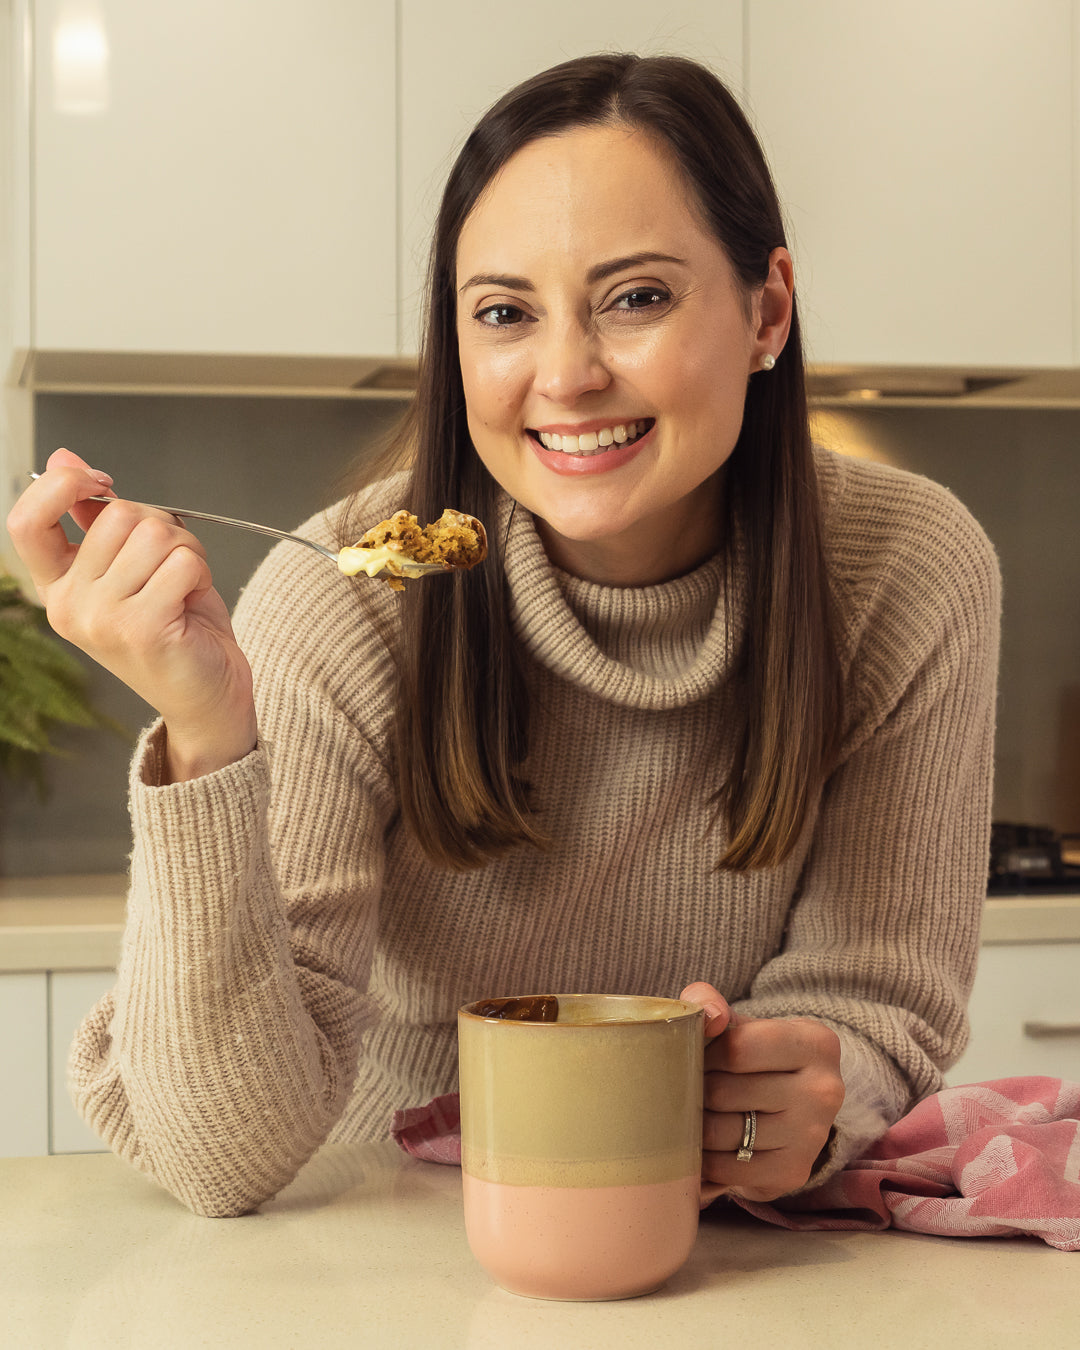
(349, 560)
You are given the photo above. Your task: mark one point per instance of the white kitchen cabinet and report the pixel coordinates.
(39, 1015)
(208, 177)
(72, 993)
(262, 178)
(24, 1101)
(927, 157)
(1025, 1014)
(452, 68)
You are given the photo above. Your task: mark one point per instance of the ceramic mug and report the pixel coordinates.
(581, 1143)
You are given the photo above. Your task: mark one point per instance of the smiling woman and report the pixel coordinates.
(715, 715)
(656, 296)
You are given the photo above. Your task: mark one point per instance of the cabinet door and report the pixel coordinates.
(456, 63)
(24, 1059)
(72, 993)
(1025, 1014)
(214, 177)
(925, 154)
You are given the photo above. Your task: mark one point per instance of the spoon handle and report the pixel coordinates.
(185, 514)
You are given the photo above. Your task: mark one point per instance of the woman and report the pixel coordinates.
(718, 708)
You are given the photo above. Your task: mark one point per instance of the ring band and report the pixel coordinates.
(749, 1136)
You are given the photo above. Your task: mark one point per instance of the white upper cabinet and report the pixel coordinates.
(926, 155)
(457, 60)
(261, 177)
(210, 177)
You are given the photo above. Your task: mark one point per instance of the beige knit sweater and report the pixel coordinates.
(292, 964)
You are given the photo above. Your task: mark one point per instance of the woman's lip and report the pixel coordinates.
(614, 457)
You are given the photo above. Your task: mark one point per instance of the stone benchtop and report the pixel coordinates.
(75, 922)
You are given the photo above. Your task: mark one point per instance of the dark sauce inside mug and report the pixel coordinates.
(534, 1008)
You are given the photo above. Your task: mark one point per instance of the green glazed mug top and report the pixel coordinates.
(609, 1094)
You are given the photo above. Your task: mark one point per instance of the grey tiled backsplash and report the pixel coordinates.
(273, 460)
(1018, 472)
(277, 460)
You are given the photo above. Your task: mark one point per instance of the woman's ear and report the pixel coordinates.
(772, 311)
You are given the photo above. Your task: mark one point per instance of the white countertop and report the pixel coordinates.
(75, 922)
(367, 1249)
(61, 923)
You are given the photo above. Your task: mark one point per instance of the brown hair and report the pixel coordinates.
(462, 722)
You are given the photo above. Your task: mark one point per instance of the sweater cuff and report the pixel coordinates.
(220, 816)
(148, 761)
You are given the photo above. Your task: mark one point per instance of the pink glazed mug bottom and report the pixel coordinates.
(581, 1243)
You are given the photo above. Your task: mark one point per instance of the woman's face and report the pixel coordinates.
(605, 349)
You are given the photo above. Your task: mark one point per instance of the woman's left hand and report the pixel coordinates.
(786, 1070)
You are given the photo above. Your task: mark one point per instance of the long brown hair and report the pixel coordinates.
(462, 720)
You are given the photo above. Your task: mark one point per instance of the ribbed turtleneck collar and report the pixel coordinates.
(655, 647)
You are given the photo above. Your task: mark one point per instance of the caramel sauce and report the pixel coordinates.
(534, 1008)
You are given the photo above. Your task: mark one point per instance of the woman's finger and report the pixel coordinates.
(127, 543)
(773, 1045)
(767, 1175)
(34, 520)
(176, 587)
(92, 604)
(750, 1091)
(718, 1014)
(800, 1071)
(83, 512)
(723, 1131)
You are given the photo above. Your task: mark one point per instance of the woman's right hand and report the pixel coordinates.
(137, 596)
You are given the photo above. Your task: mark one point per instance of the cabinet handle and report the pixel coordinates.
(1040, 1031)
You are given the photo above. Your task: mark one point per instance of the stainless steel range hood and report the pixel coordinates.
(60, 372)
(66, 372)
(915, 386)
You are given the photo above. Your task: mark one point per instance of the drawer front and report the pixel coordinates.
(24, 1100)
(72, 993)
(1025, 1014)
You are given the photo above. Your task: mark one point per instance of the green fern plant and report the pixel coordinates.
(42, 686)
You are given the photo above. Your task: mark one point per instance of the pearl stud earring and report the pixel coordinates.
(768, 361)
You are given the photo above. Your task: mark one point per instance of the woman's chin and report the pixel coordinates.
(574, 532)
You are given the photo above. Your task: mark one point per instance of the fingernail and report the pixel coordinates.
(103, 478)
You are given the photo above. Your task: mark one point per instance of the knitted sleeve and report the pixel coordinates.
(882, 940)
(227, 1049)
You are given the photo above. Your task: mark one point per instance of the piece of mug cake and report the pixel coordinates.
(455, 541)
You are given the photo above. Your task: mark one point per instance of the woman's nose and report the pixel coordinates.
(569, 364)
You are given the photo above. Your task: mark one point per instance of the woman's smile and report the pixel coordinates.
(590, 448)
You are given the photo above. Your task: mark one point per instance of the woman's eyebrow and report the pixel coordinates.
(594, 274)
(608, 269)
(504, 283)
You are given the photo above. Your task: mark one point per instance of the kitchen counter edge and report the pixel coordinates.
(76, 922)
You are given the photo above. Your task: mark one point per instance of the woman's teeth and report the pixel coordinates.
(592, 442)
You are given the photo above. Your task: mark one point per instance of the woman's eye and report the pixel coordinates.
(643, 297)
(499, 316)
